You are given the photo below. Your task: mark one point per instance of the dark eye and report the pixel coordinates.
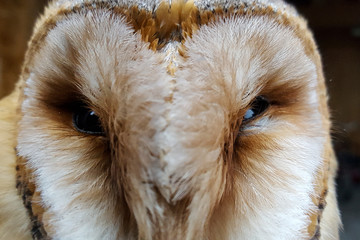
(86, 121)
(258, 106)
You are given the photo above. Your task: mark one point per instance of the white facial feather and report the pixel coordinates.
(217, 81)
(57, 161)
(178, 161)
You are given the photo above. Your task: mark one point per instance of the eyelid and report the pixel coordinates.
(247, 113)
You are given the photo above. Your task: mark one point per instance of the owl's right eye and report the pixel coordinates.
(258, 107)
(86, 121)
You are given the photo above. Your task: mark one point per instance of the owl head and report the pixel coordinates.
(173, 120)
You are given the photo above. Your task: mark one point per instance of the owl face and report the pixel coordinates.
(207, 133)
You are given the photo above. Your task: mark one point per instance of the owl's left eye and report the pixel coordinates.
(258, 106)
(86, 121)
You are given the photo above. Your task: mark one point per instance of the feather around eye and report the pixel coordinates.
(257, 107)
(86, 121)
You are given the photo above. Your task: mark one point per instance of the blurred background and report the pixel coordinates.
(336, 26)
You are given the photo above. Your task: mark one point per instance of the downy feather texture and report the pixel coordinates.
(171, 84)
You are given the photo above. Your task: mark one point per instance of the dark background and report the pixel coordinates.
(336, 26)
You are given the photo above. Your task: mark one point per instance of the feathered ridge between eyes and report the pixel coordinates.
(86, 121)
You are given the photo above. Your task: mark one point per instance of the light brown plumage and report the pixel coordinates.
(173, 85)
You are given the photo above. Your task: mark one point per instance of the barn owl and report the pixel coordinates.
(157, 119)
